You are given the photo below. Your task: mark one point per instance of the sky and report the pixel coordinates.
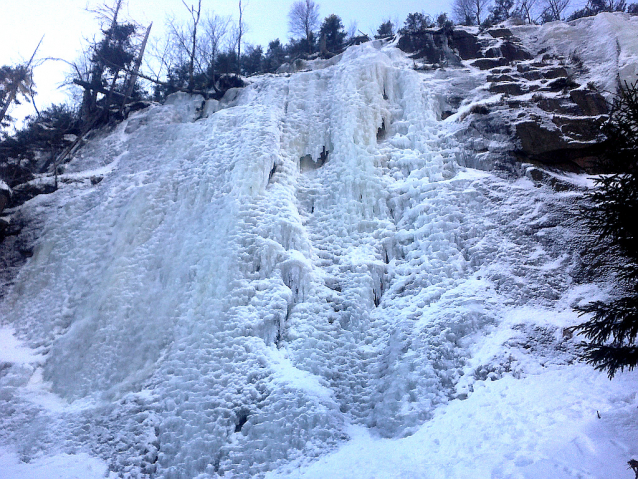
(64, 24)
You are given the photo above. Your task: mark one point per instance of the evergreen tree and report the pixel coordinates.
(386, 29)
(612, 216)
(333, 32)
(416, 22)
(275, 56)
(252, 61)
(501, 11)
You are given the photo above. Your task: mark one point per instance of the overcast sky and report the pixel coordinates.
(65, 22)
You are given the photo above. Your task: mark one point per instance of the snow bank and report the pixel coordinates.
(62, 466)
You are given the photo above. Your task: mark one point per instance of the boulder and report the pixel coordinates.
(556, 72)
(590, 102)
(26, 191)
(514, 52)
(537, 139)
(500, 78)
(465, 44)
(489, 63)
(510, 88)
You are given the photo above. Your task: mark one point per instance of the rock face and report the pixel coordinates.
(541, 107)
(434, 46)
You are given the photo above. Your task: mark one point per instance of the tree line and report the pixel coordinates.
(486, 13)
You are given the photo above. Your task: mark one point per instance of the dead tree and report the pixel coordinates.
(18, 80)
(186, 40)
(240, 32)
(136, 69)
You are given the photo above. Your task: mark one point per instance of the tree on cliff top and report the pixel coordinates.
(333, 32)
(303, 20)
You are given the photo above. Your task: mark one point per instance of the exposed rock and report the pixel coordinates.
(532, 75)
(558, 72)
(590, 102)
(431, 46)
(500, 78)
(5, 197)
(510, 88)
(539, 175)
(561, 84)
(500, 32)
(514, 52)
(550, 146)
(26, 191)
(479, 109)
(554, 105)
(579, 128)
(537, 139)
(466, 44)
(492, 52)
(489, 63)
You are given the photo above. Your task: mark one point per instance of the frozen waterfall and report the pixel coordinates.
(254, 283)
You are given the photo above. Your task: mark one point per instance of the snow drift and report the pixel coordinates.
(305, 281)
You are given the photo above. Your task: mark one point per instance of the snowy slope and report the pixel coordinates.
(223, 304)
(607, 46)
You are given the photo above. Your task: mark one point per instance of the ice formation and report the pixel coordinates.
(257, 281)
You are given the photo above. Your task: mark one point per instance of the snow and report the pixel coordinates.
(510, 428)
(605, 43)
(4, 187)
(61, 466)
(212, 308)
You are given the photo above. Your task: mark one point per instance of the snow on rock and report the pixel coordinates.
(606, 44)
(214, 307)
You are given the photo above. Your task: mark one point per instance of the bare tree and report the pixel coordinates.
(185, 38)
(553, 9)
(240, 31)
(469, 12)
(161, 58)
(525, 10)
(15, 81)
(215, 30)
(303, 20)
(136, 69)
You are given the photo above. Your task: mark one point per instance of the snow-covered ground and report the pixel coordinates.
(221, 303)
